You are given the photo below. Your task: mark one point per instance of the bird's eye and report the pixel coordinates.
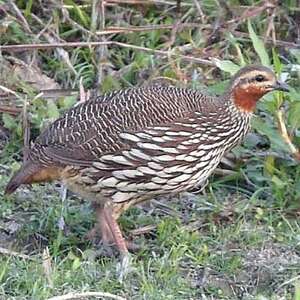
(260, 78)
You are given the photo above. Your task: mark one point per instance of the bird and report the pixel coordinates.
(134, 144)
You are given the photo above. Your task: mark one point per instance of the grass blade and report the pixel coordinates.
(259, 46)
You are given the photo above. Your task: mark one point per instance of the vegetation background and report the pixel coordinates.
(240, 239)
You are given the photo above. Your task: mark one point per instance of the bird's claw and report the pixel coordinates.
(124, 267)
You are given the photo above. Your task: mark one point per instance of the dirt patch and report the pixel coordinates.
(268, 268)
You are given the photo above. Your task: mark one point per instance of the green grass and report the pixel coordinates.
(215, 247)
(238, 240)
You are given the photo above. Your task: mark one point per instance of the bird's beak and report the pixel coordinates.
(281, 86)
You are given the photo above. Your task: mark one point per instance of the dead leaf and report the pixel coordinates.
(34, 76)
(47, 266)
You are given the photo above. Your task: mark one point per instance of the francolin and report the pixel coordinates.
(131, 145)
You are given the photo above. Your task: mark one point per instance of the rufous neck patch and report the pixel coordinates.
(245, 98)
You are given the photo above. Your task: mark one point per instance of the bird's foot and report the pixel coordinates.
(106, 242)
(124, 267)
(93, 234)
(106, 249)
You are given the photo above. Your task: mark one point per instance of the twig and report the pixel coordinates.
(98, 21)
(288, 281)
(271, 27)
(178, 8)
(285, 135)
(10, 110)
(62, 53)
(46, 28)
(143, 230)
(9, 91)
(83, 95)
(26, 131)
(72, 296)
(173, 34)
(166, 209)
(47, 94)
(145, 2)
(66, 15)
(228, 162)
(134, 2)
(116, 29)
(20, 16)
(200, 11)
(267, 40)
(6, 251)
(224, 172)
(51, 36)
(47, 266)
(111, 30)
(252, 12)
(18, 48)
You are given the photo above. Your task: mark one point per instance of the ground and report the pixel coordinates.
(219, 246)
(237, 239)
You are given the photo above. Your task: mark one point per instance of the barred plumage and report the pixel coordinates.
(131, 145)
(118, 149)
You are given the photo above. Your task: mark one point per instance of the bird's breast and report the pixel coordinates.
(160, 160)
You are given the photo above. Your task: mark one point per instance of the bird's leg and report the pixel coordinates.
(125, 267)
(109, 223)
(111, 234)
(106, 219)
(100, 228)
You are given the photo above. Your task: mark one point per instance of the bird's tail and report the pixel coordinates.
(22, 176)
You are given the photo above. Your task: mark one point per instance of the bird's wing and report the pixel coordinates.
(97, 127)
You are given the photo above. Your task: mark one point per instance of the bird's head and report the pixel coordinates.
(250, 83)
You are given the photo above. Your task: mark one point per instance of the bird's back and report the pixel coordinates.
(93, 128)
